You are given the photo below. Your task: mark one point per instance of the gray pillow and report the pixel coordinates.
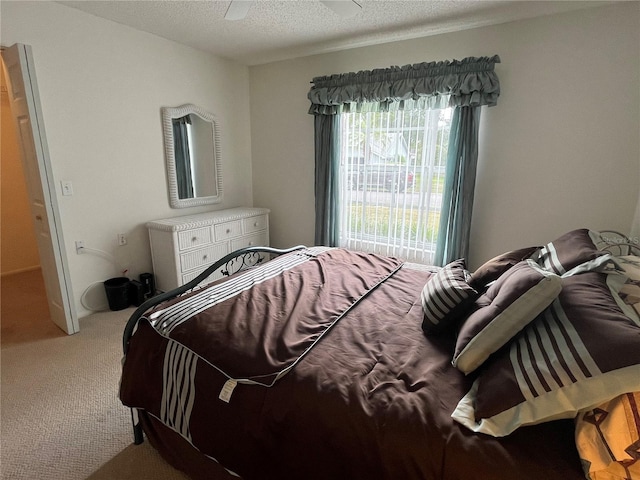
(492, 269)
(514, 300)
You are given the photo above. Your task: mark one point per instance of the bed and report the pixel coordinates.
(325, 363)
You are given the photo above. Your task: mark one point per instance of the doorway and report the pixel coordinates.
(21, 281)
(25, 110)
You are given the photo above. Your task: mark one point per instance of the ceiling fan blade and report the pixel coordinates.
(344, 8)
(238, 9)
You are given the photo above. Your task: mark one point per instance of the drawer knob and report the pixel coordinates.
(204, 257)
(255, 224)
(228, 230)
(193, 239)
(250, 243)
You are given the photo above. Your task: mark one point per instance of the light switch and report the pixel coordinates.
(67, 188)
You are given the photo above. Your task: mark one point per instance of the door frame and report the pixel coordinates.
(47, 183)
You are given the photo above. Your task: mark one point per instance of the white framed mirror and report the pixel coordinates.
(192, 152)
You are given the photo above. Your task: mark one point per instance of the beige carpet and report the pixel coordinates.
(60, 414)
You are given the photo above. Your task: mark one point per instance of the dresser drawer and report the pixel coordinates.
(182, 247)
(201, 257)
(194, 238)
(255, 240)
(255, 224)
(187, 277)
(227, 230)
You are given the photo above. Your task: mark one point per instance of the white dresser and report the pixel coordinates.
(182, 247)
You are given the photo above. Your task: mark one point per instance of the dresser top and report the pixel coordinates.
(187, 222)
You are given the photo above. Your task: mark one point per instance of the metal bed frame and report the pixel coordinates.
(234, 262)
(618, 243)
(244, 258)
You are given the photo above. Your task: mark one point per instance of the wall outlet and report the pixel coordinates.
(122, 239)
(79, 246)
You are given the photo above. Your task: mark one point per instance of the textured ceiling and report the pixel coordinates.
(282, 29)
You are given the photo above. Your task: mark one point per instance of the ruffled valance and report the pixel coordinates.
(468, 82)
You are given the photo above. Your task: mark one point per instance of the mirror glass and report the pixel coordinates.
(192, 150)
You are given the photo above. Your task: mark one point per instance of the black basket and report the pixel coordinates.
(117, 290)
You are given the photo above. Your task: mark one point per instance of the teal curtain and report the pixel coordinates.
(327, 150)
(468, 84)
(459, 186)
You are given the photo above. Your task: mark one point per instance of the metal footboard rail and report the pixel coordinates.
(618, 243)
(227, 265)
(232, 263)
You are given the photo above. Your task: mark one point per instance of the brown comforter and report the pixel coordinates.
(335, 380)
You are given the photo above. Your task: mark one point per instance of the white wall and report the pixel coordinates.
(549, 161)
(635, 227)
(560, 151)
(101, 88)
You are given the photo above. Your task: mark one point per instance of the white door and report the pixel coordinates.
(27, 114)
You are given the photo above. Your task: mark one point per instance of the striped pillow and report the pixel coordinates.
(570, 250)
(509, 305)
(446, 296)
(581, 351)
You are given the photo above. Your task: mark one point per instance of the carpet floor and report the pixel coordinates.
(60, 413)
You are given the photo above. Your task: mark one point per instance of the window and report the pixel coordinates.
(392, 169)
(403, 220)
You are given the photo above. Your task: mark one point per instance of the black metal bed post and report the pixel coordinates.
(138, 435)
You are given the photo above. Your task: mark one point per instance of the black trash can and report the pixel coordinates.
(117, 290)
